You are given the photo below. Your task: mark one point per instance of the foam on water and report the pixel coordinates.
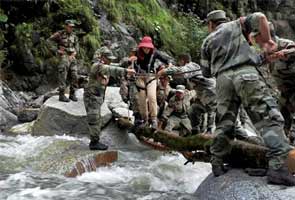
(139, 175)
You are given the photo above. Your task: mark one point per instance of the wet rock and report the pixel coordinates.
(7, 119)
(28, 114)
(8, 98)
(10, 102)
(236, 184)
(24, 128)
(71, 158)
(58, 118)
(116, 104)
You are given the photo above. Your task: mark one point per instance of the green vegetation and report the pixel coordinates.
(83, 13)
(55, 13)
(175, 33)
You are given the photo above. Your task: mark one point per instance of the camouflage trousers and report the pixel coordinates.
(197, 114)
(287, 106)
(178, 122)
(67, 73)
(243, 86)
(93, 108)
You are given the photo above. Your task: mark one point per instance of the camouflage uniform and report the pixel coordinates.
(162, 94)
(226, 54)
(94, 94)
(283, 71)
(67, 68)
(176, 113)
(205, 101)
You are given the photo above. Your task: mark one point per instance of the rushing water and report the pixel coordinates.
(141, 175)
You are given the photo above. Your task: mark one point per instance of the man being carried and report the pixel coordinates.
(176, 112)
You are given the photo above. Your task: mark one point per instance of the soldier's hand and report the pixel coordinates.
(130, 71)
(61, 51)
(132, 58)
(161, 72)
(72, 56)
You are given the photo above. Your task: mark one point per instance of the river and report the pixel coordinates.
(141, 175)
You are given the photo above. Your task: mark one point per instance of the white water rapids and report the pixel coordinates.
(142, 175)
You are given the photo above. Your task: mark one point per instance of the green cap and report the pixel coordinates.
(70, 22)
(180, 88)
(108, 54)
(216, 15)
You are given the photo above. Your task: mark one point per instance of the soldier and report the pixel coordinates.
(205, 101)
(95, 91)
(227, 55)
(65, 44)
(283, 72)
(176, 112)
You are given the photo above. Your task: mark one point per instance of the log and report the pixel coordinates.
(243, 154)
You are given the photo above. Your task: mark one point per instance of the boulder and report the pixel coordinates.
(24, 128)
(10, 101)
(58, 118)
(116, 104)
(236, 184)
(27, 114)
(7, 119)
(71, 158)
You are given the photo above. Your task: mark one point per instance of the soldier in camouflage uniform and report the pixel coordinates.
(227, 55)
(283, 72)
(176, 112)
(163, 90)
(128, 87)
(205, 101)
(95, 91)
(65, 44)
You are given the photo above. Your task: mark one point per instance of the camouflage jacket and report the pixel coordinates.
(99, 77)
(227, 48)
(192, 71)
(162, 93)
(283, 71)
(63, 40)
(179, 107)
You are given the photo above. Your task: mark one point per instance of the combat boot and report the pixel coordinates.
(218, 168)
(96, 145)
(280, 176)
(73, 95)
(62, 97)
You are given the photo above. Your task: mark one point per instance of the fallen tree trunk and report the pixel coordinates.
(242, 154)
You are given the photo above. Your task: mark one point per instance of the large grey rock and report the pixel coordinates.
(236, 184)
(58, 118)
(8, 98)
(10, 102)
(27, 114)
(7, 119)
(116, 104)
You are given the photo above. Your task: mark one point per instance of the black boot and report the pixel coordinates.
(281, 176)
(96, 145)
(62, 97)
(217, 166)
(73, 95)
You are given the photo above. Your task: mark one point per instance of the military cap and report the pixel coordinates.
(216, 15)
(107, 53)
(180, 88)
(70, 22)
